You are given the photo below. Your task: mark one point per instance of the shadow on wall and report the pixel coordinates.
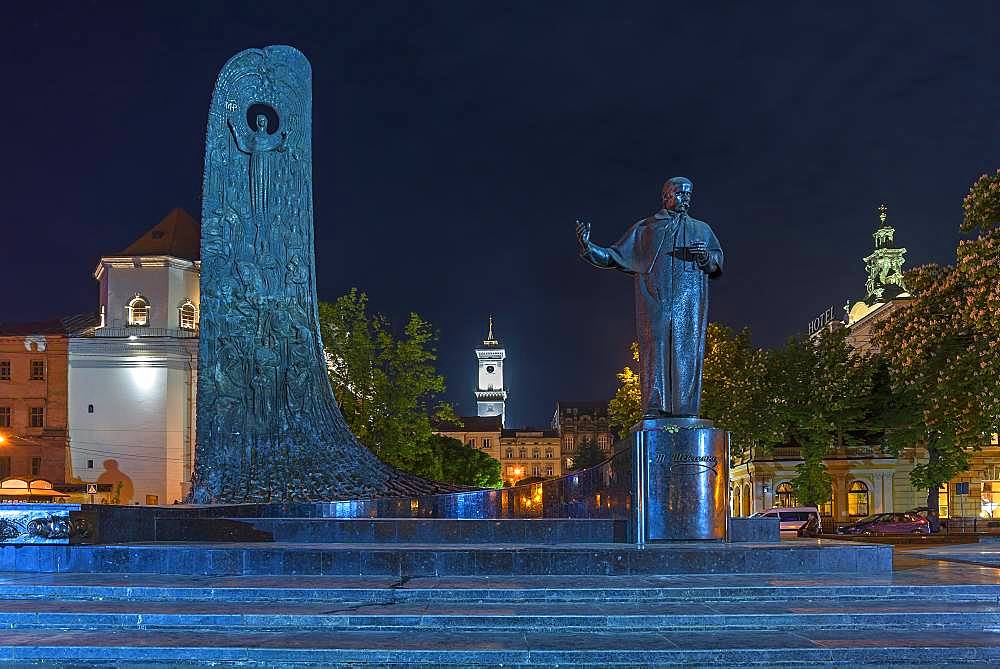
(122, 489)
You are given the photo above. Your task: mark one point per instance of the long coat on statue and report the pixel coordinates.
(671, 306)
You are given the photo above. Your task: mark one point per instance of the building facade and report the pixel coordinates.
(34, 396)
(133, 376)
(579, 422)
(529, 453)
(867, 480)
(482, 433)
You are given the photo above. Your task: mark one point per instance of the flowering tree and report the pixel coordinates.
(943, 347)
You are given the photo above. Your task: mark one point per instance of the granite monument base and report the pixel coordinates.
(682, 479)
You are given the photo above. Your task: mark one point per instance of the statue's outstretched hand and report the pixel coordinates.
(583, 234)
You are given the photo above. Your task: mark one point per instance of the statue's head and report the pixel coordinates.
(677, 194)
(261, 122)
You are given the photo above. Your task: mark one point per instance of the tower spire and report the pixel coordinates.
(489, 337)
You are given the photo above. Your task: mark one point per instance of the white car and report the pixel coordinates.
(791, 518)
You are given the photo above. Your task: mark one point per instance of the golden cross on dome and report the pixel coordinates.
(882, 213)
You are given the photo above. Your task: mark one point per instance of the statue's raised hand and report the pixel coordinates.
(583, 234)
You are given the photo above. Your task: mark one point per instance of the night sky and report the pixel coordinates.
(455, 144)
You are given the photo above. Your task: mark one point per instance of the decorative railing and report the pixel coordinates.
(142, 331)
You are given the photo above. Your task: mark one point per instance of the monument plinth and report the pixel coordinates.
(682, 479)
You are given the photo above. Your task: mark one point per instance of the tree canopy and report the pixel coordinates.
(389, 391)
(588, 455)
(942, 348)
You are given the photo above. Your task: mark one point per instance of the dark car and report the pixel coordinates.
(888, 523)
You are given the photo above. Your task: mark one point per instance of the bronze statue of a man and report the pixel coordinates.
(672, 256)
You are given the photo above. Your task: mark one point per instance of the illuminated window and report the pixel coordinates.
(37, 417)
(4, 416)
(188, 317)
(152, 499)
(536, 471)
(37, 370)
(138, 311)
(486, 442)
(569, 443)
(943, 501)
(784, 495)
(990, 504)
(747, 499)
(510, 452)
(548, 470)
(4, 370)
(826, 508)
(604, 441)
(857, 499)
(735, 503)
(548, 452)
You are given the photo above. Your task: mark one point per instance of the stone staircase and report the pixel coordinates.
(923, 617)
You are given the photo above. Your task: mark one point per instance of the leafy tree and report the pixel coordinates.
(625, 408)
(588, 455)
(463, 465)
(943, 348)
(387, 386)
(822, 391)
(736, 390)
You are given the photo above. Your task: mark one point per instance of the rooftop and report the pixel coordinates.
(177, 235)
(471, 424)
(56, 326)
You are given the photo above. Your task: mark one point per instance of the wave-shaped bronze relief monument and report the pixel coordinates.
(269, 428)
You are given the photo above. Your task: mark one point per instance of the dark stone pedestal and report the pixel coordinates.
(682, 480)
(754, 530)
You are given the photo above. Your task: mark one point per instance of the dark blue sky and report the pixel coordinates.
(456, 142)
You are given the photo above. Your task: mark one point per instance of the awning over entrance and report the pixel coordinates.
(20, 490)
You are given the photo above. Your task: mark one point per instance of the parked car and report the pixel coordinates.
(888, 523)
(791, 518)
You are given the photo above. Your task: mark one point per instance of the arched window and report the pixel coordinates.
(187, 316)
(524, 453)
(535, 453)
(857, 499)
(138, 311)
(737, 504)
(604, 441)
(784, 495)
(510, 452)
(747, 499)
(548, 453)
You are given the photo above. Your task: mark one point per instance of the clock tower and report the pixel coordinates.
(490, 393)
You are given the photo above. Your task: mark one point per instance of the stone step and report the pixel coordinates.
(959, 585)
(505, 647)
(431, 617)
(389, 530)
(414, 560)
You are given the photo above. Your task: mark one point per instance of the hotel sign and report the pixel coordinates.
(821, 321)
